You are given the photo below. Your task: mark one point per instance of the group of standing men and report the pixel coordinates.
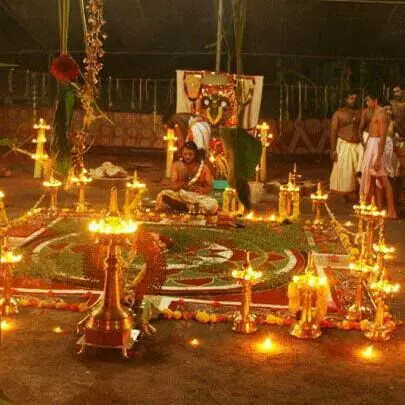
(363, 149)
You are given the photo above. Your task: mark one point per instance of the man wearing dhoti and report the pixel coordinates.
(189, 127)
(346, 148)
(191, 184)
(375, 160)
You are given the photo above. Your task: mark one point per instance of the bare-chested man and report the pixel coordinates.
(346, 149)
(372, 166)
(191, 184)
(398, 110)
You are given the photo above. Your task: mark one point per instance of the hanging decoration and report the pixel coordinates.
(27, 84)
(140, 95)
(192, 87)
(326, 101)
(10, 81)
(287, 102)
(132, 103)
(90, 91)
(281, 112)
(118, 90)
(146, 89)
(109, 91)
(299, 101)
(171, 91)
(65, 71)
(154, 106)
(44, 94)
(34, 97)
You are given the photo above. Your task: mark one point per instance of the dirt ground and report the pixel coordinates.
(40, 367)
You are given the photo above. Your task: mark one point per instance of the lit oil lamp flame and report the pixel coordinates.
(5, 325)
(194, 342)
(57, 329)
(272, 218)
(266, 346)
(368, 352)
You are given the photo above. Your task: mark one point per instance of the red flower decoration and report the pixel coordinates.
(64, 69)
(216, 304)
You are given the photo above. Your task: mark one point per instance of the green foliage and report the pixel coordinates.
(244, 153)
(47, 265)
(60, 150)
(71, 225)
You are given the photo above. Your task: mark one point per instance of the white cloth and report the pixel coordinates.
(389, 159)
(367, 167)
(343, 178)
(200, 132)
(208, 204)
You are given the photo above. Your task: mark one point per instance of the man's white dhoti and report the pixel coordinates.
(207, 204)
(367, 168)
(349, 157)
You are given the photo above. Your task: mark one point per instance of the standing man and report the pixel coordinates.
(398, 109)
(372, 166)
(346, 148)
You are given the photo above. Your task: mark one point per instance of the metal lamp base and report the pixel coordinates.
(380, 333)
(245, 327)
(306, 330)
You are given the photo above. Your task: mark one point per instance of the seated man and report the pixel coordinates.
(191, 184)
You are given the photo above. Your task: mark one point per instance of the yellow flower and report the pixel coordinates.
(213, 318)
(354, 251)
(177, 315)
(202, 316)
(271, 319)
(364, 324)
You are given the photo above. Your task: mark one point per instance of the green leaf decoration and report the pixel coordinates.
(243, 152)
(60, 150)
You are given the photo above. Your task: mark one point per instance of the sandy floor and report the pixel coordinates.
(40, 367)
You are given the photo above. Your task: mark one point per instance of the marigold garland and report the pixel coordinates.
(205, 317)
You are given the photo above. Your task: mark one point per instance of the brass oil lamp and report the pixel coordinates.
(109, 325)
(318, 200)
(244, 321)
(81, 181)
(8, 259)
(307, 327)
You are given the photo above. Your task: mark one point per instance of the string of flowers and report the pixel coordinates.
(207, 317)
(32, 213)
(89, 92)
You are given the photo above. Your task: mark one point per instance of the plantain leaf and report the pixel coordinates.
(59, 147)
(243, 153)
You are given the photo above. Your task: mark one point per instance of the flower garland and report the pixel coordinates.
(197, 175)
(89, 92)
(51, 303)
(343, 234)
(206, 317)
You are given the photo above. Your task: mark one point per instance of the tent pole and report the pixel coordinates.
(219, 37)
